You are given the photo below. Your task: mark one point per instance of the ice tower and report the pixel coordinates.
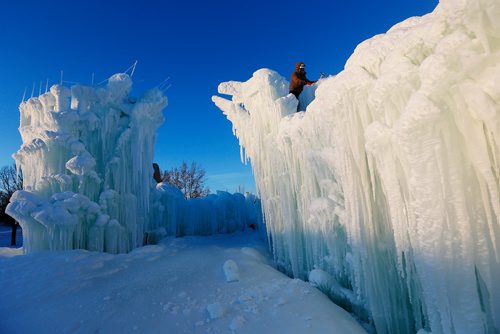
(86, 159)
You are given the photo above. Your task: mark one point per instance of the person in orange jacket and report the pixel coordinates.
(299, 80)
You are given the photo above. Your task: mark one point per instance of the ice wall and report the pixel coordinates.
(86, 159)
(222, 212)
(389, 182)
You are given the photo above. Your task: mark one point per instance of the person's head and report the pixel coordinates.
(300, 66)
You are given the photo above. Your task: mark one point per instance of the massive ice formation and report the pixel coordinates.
(389, 182)
(86, 160)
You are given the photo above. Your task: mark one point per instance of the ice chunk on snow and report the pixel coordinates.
(231, 271)
(215, 310)
(321, 279)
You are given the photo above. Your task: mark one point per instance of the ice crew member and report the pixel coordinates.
(299, 80)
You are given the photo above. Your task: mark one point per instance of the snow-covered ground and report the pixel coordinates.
(217, 284)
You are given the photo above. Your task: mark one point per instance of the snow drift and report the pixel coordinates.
(389, 182)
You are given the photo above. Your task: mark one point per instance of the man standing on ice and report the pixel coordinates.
(298, 79)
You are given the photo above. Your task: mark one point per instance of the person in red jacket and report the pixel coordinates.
(299, 80)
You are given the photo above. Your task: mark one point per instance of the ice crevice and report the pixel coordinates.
(389, 181)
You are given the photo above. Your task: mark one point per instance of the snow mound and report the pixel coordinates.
(389, 182)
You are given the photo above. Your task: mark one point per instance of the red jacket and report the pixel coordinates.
(298, 80)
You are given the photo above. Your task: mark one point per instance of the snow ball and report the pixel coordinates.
(231, 271)
(237, 323)
(215, 310)
(320, 279)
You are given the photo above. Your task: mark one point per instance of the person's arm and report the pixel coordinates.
(309, 82)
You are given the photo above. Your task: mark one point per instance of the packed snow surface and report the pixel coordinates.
(385, 191)
(177, 286)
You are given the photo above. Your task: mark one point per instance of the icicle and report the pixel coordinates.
(163, 83)
(24, 94)
(133, 69)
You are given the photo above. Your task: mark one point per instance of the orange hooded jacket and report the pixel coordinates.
(298, 80)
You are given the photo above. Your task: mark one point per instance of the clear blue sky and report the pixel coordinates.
(197, 43)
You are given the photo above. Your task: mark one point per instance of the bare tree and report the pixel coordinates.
(10, 182)
(191, 181)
